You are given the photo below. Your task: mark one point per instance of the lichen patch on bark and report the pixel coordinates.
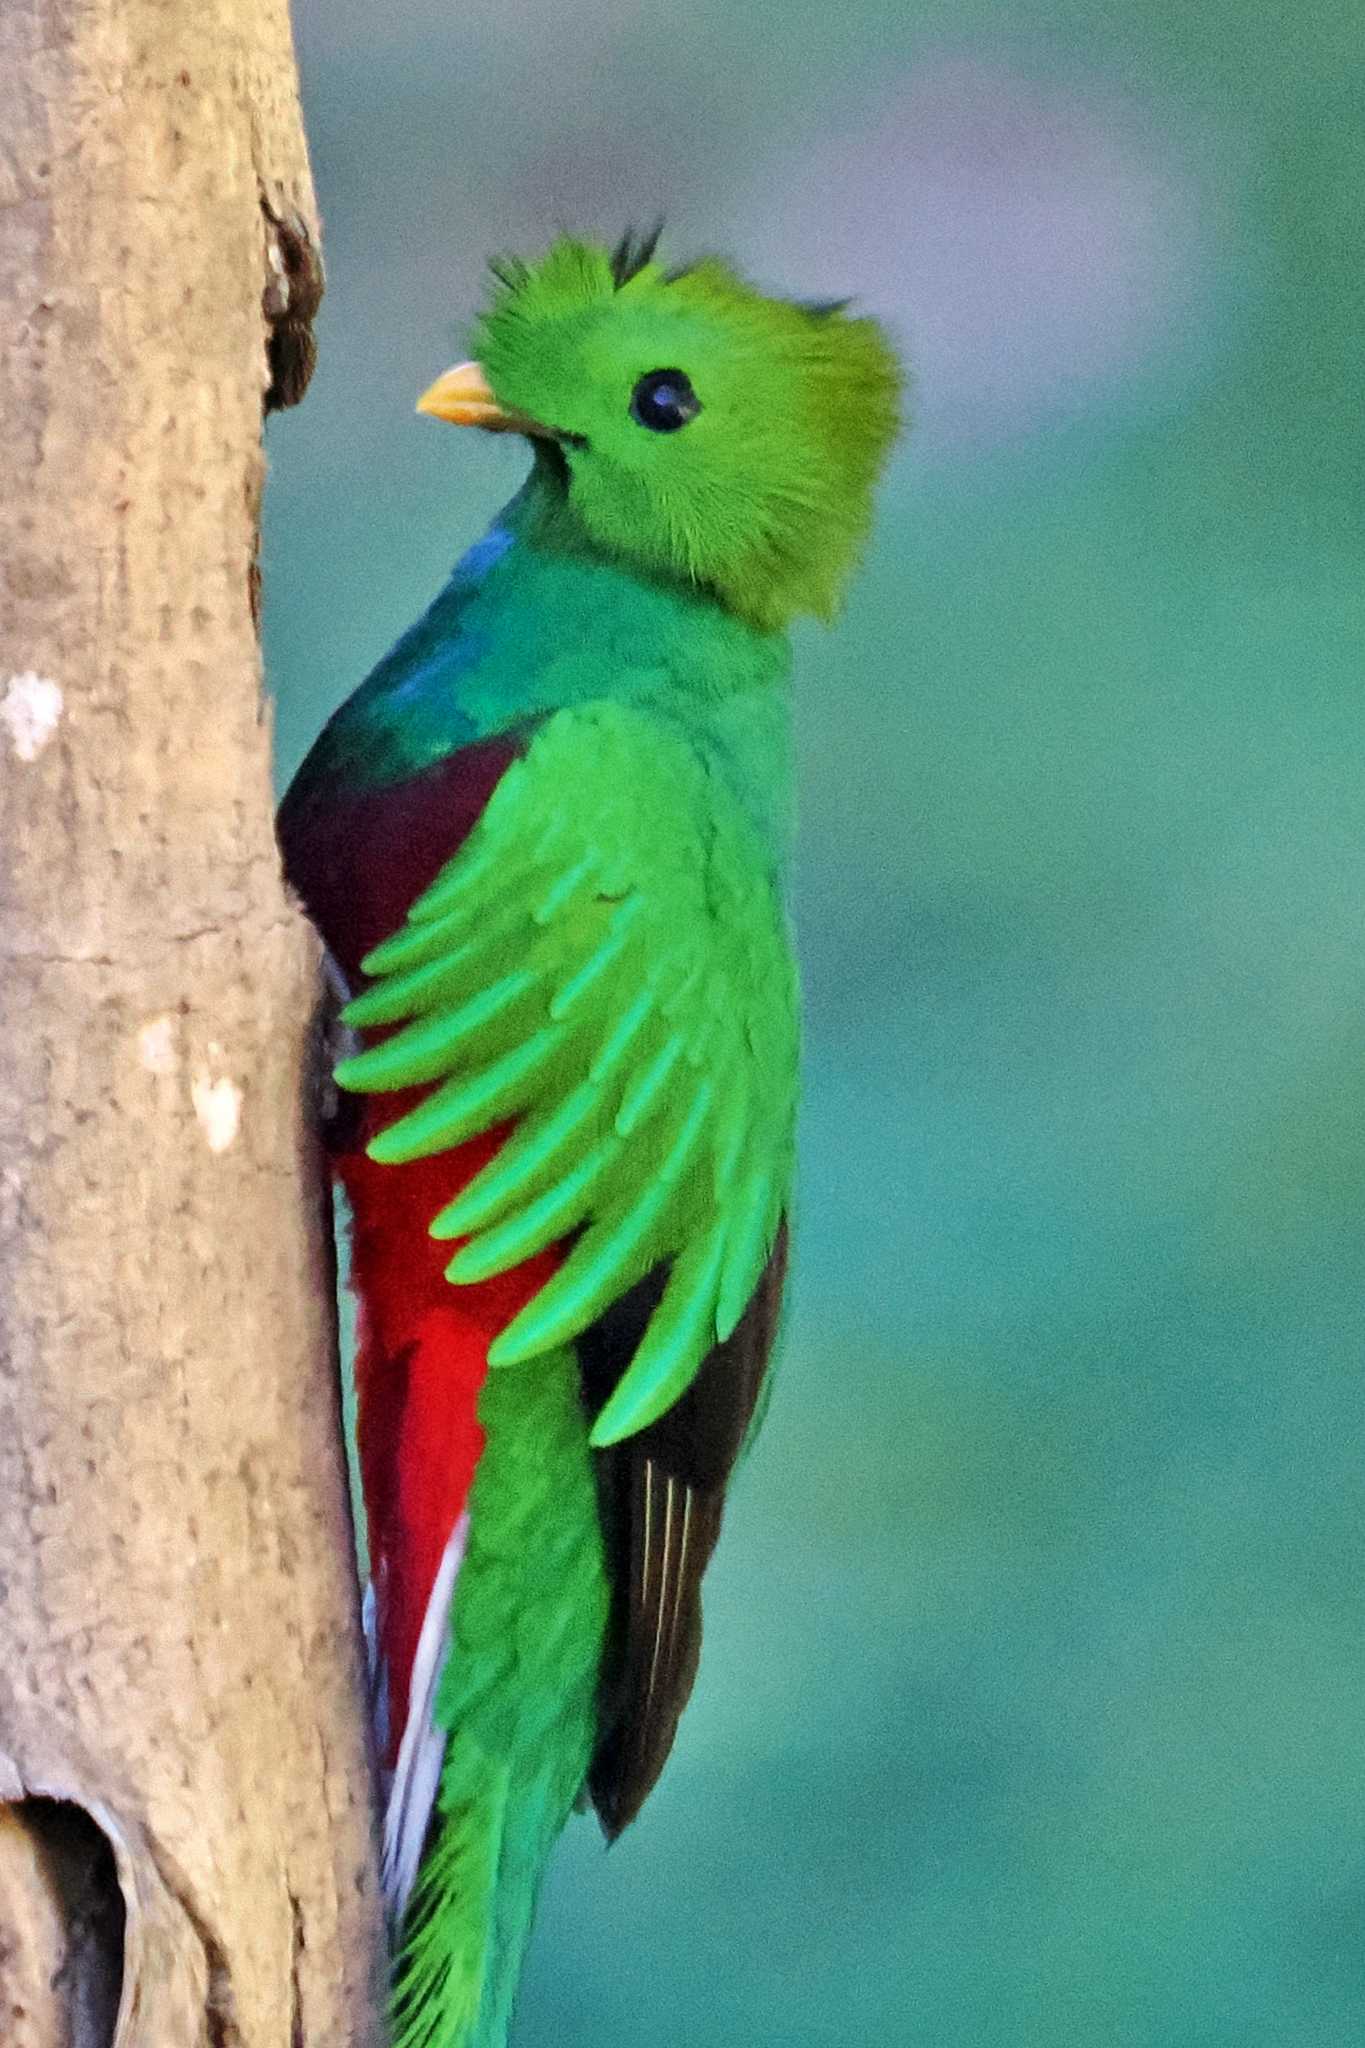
(31, 710)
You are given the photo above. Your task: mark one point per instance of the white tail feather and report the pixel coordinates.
(417, 1772)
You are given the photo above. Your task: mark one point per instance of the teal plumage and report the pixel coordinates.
(545, 843)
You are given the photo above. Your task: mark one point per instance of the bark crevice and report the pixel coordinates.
(292, 295)
(62, 1912)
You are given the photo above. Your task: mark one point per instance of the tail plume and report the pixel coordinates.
(459, 1969)
(514, 1711)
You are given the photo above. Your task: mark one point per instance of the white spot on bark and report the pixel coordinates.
(31, 709)
(156, 1045)
(218, 1106)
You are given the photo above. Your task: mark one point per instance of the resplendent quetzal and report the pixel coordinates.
(544, 843)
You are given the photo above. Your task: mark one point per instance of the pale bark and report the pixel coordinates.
(179, 1654)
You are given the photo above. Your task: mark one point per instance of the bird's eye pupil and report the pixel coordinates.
(663, 400)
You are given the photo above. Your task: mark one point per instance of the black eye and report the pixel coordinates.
(663, 401)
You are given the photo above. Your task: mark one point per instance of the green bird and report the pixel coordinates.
(545, 844)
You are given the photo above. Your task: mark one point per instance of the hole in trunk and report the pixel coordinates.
(61, 1926)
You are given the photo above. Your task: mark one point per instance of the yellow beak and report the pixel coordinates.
(464, 397)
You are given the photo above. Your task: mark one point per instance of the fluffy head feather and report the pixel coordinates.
(763, 494)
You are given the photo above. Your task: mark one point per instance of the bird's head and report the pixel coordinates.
(707, 432)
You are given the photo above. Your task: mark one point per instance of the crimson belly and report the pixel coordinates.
(358, 859)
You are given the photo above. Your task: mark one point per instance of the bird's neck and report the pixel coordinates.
(536, 619)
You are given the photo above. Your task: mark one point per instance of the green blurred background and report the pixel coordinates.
(1032, 1706)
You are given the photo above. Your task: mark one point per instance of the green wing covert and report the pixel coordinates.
(605, 964)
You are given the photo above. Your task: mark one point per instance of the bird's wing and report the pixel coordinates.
(662, 1494)
(605, 967)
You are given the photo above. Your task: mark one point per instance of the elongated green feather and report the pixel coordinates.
(681, 1329)
(539, 1223)
(598, 1268)
(457, 885)
(427, 1049)
(461, 1107)
(622, 1037)
(613, 975)
(647, 1083)
(439, 938)
(748, 1245)
(585, 977)
(435, 972)
(563, 887)
(525, 1165)
(606, 1262)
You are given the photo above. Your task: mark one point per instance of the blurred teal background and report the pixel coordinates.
(1033, 1701)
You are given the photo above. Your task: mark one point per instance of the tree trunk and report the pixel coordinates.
(187, 1852)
